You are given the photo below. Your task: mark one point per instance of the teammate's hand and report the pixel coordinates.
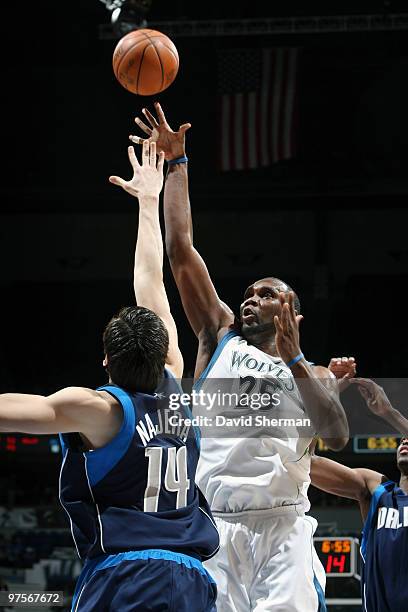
(374, 395)
(344, 368)
(170, 142)
(147, 180)
(287, 328)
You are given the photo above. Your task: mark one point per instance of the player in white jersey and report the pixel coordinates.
(257, 486)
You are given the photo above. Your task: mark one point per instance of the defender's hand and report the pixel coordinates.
(287, 328)
(147, 180)
(170, 142)
(374, 395)
(343, 368)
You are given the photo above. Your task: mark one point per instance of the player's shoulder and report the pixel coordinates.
(78, 397)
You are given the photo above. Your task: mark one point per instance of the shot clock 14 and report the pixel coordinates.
(338, 555)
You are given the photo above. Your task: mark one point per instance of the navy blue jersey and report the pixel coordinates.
(384, 551)
(137, 492)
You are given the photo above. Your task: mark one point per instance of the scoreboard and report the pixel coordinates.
(18, 444)
(338, 555)
(375, 444)
(367, 444)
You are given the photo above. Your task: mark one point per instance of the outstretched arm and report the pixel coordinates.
(73, 409)
(204, 310)
(337, 479)
(146, 184)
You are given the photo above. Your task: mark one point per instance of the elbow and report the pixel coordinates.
(178, 249)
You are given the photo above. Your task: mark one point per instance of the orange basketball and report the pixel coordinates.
(145, 62)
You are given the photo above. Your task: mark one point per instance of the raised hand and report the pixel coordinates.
(147, 180)
(287, 328)
(158, 131)
(374, 395)
(343, 368)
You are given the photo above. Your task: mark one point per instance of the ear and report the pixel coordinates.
(105, 361)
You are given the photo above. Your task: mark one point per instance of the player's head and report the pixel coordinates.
(402, 456)
(261, 303)
(135, 342)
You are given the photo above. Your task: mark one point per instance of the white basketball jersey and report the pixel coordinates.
(253, 472)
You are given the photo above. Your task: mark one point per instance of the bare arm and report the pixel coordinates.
(148, 281)
(202, 306)
(73, 409)
(201, 303)
(317, 386)
(337, 479)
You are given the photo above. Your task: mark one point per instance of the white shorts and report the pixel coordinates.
(267, 561)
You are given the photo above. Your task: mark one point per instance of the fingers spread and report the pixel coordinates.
(116, 180)
(143, 126)
(160, 162)
(133, 158)
(153, 154)
(150, 118)
(146, 152)
(160, 114)
(136, 139)
(183, 128)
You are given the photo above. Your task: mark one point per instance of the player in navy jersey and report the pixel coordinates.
(384, 508)
(127, 480)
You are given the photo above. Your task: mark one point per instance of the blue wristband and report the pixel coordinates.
(178, 160)
(295, 360)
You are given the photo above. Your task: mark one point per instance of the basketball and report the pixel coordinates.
(145, 62)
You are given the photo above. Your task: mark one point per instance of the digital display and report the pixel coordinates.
(375, 444)
(338, 555)
(14, 443)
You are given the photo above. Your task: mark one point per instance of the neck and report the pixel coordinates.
(264, 340)
(403, 483)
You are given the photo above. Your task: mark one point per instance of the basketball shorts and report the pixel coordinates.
(144, 581)
(267, 561)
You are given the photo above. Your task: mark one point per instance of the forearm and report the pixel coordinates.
(322, 406)
(25, 413)
(177, 211)
(396, 420)
(148, 271)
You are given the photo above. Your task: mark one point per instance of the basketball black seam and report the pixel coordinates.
(125, 54)
(161, 64)
(140, 66)
(171, 51)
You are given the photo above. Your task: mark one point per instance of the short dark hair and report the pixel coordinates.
(136, 343)
(286, 288)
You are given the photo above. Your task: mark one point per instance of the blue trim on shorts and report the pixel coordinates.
(320, 595)
(377, 493)
(231, 334)
(105, 561)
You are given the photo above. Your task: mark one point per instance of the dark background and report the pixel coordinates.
(332, 222)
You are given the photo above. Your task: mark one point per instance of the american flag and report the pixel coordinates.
(258, 106)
